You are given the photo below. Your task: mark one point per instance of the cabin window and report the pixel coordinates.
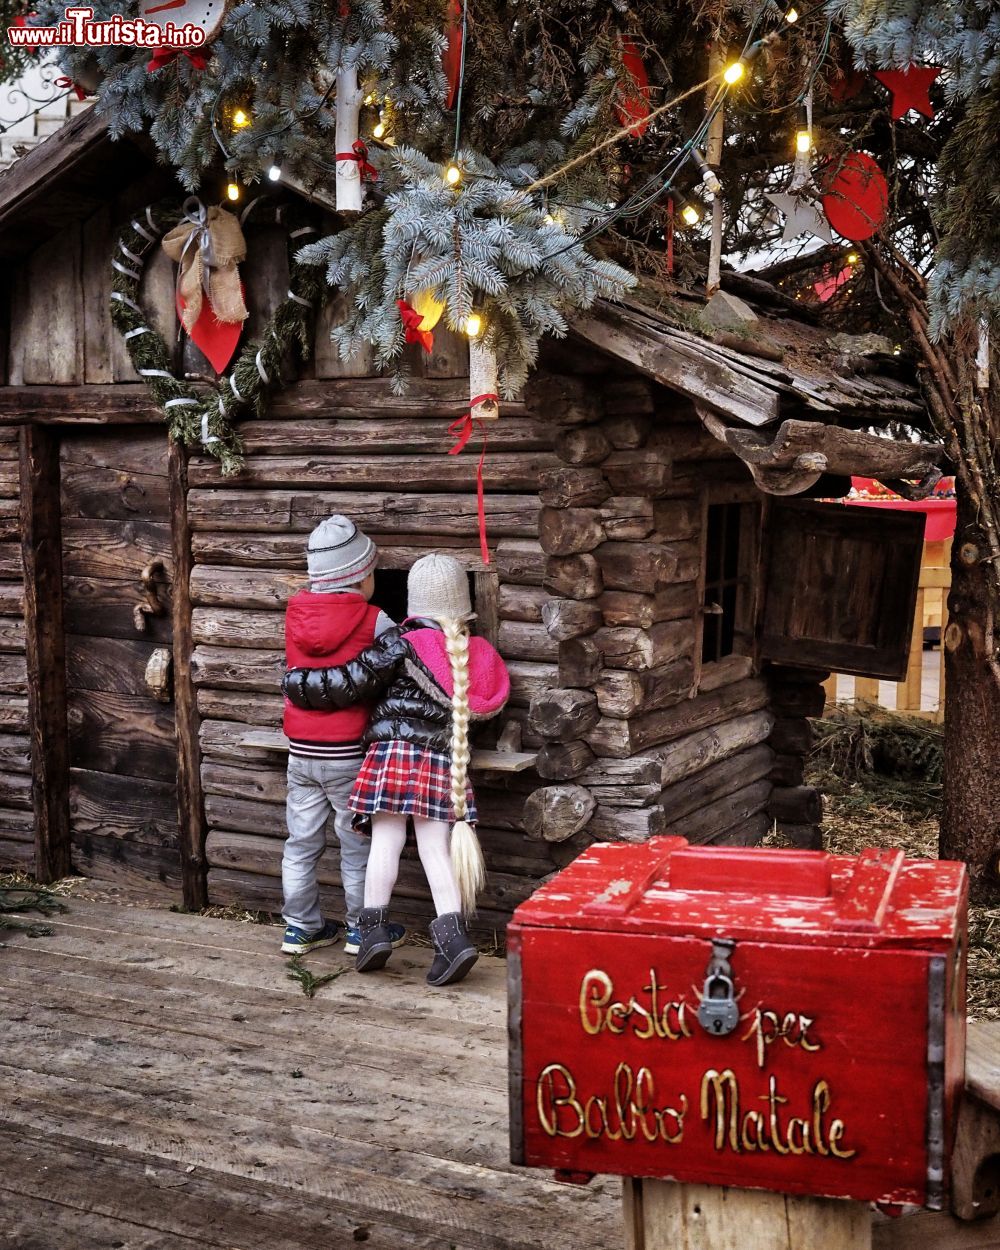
(730, 543)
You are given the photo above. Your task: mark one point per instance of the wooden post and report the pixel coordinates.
(45, 647)
(713, 154)
(661, 1215)
(190, 801)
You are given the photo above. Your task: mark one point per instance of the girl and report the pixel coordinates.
(431, 679)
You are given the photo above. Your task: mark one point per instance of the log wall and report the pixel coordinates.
(16, 821)
(640, 737)
(384, 462)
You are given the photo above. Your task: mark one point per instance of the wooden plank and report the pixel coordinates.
(15, 791)
(127, 734)
(113, 548)
(377, 436)
(910, 690)
(192, 826)
(233, 628)
(104, 806)
(11, 599)
(103, 607)
(109, 664)
(13, 674)
(110, 1196)
(253, 853)
(682, 367)
(287, 552)
(45, 650)
(112, 494)
(326, 355)
(377, 513)
(265, 709)
(12, 635)
(13, 713)
(95, 277)
(15, 753)
(51, 316)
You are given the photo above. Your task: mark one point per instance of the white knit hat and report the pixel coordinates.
(339, 555)
(438, 587)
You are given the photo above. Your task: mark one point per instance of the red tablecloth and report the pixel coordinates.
(940, 512)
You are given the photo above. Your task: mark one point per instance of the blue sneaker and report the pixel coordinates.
(297, 942)
(396, 933)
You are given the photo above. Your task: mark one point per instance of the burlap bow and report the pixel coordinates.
(207, 246)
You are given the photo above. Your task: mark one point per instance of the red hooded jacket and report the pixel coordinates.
(320, 632)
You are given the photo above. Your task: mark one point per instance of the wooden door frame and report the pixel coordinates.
(45, 650)
(191, 823)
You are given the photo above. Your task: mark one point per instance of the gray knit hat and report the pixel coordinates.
(339, 555)
(438, 587)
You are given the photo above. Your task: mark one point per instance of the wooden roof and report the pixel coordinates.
(71, 174)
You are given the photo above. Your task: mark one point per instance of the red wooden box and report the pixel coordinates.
(842, 1072)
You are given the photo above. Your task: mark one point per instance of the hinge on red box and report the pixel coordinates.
(863, 904)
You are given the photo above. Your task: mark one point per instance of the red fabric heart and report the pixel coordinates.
(216, 340)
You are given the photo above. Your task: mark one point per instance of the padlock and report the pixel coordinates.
(718, 1013)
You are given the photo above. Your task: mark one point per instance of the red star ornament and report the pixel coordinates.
(910, 88)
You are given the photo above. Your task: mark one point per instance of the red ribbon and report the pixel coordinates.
(463, 428)
(81, 92)
(164, 54)
(412, 332)
(359, 153)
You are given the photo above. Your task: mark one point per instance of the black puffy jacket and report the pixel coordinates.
(409, 704)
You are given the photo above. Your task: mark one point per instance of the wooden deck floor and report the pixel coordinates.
(165, 1086)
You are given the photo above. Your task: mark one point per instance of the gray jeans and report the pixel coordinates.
(317, 789)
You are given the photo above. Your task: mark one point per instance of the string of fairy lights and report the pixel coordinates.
(658, 185)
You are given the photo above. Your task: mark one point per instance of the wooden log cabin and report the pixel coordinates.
(667, 612)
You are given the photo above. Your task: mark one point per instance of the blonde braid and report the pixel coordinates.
(466, 853)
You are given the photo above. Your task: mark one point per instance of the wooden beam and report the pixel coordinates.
(191, 823)
(41, 547)
(682, 367)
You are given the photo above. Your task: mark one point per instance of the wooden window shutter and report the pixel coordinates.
(841, 587)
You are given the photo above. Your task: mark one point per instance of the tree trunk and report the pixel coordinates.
(970, 819)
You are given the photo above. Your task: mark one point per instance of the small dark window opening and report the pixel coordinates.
(390, 592)
(728, 564)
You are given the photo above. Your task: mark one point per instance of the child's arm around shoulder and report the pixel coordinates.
(360, 680)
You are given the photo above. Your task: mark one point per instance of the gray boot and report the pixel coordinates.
(375, 946)
(454, 953)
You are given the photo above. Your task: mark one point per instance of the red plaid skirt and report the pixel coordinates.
(401, 777)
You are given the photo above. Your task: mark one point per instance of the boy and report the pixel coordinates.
(327, 624)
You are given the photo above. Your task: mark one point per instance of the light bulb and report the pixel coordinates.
(370, 99)
(690, 214)
(274, 173)
(852, 258)
(792, 16)
(473, 325)
(803, 141)
(378, 130)
(233, 191)
(453, 175)
(734, 72)
(241, 119)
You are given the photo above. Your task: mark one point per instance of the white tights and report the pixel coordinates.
(433, 847)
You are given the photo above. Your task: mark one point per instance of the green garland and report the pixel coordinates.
(194, 418)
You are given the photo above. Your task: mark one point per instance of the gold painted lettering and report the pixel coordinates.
(549, 1101)
(595, 992)
(773, 1101)
(723, 1087)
